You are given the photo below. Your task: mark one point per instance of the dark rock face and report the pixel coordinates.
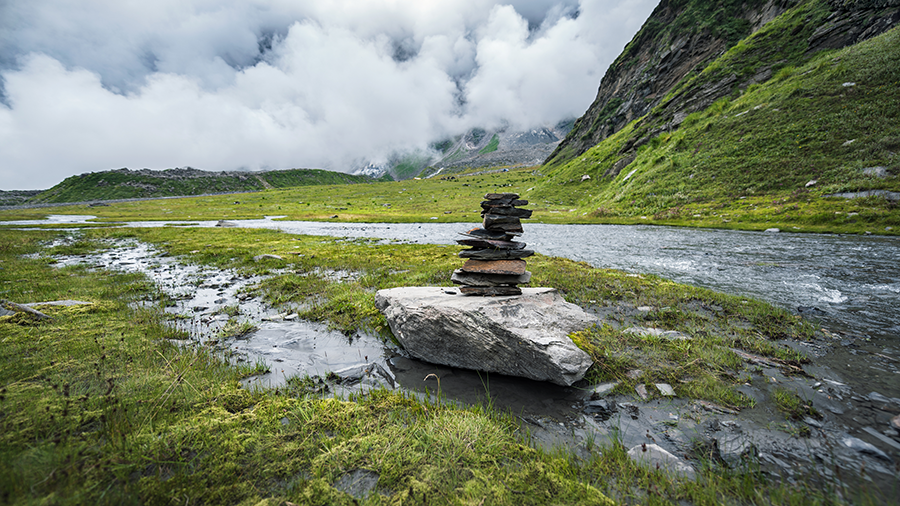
(657, 61)
(495, 265)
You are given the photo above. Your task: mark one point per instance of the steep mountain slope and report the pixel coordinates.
(125, 183)
(825, 122)
(661, 72)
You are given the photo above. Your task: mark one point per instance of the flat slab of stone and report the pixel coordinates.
(504, 267)
(495, 254)
(461, 277)
(490, 291)
(524, 335)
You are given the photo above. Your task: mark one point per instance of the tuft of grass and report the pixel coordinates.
(792, 405)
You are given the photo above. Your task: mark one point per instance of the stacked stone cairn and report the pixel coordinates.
(494, 264)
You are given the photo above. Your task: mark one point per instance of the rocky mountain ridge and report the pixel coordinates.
(660, 76)
(182, 181)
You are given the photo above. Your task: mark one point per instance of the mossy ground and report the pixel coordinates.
(98, 405)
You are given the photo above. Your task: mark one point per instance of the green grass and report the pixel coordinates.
(123, 184)
(97, 406)
(745, 162)
(491, 146)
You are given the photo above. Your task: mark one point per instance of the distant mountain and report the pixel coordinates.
(807, 104)
(476, 148)
(676, 63)
(145, 183)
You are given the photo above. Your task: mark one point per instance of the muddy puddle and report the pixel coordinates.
(853, 442)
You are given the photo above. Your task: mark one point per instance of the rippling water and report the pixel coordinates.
(854, 280)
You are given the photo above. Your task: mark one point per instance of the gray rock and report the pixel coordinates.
(665, 389)
(641, 390)
(525, 335)
(226, 224)
(736, 449)
(359, 483)
(603, 389)
(655, 456)
(371, 373)
(475, 279)
(257, 258)
(879, 398)
(773, 230)
(864, 447)
(879, 172)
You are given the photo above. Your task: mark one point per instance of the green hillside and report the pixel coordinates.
(824, 123)
(124, 183)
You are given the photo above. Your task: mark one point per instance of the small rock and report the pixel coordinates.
(585, 178)
(602, 409)
(773, 230)
(226, 224)
(257, 258)
(641, 391)
(358, 483)
(645, 308)
(634, 374)
(665, 389)
(655, 456)
(292, 316)
(848, 84)
(864, 447)
(735, 449)
(877, 397)
(811, 183)
(603, 389)
(812, 422)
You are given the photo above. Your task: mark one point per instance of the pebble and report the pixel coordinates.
(864, 447)
(665, 389)
(641, 391)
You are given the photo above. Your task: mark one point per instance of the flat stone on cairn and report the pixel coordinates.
(494, 264)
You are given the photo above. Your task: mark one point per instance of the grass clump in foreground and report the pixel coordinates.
(99, 407)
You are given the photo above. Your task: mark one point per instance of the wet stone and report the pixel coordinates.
(490, 291)
(491, 244)
(359, 483)
(495, 254)
(480, 233)
(476, 279)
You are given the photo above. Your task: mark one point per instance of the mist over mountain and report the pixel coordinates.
(270, 84)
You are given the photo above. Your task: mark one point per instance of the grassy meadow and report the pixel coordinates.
(105, 404)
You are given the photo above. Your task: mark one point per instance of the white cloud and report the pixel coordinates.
(91, 85)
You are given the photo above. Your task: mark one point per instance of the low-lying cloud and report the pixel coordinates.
(246, 85)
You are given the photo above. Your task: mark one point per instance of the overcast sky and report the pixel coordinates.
(92, 85)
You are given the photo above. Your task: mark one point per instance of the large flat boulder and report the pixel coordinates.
(523, 335)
